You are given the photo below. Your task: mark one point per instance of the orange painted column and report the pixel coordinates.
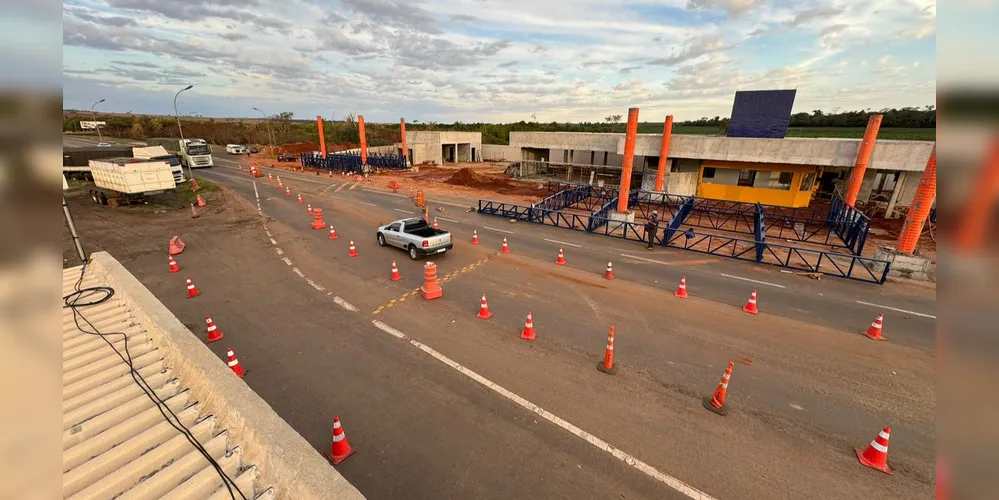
(364, 140)
(402, 133)
(972, 226)
(629, 159)
(863, 160)
(919, 209)
(322, 136)
(663, 152)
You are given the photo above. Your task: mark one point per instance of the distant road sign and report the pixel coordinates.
(92, 125)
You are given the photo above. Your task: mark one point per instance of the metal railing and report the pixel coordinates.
(351, 163)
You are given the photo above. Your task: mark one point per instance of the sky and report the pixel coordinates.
(494, 60)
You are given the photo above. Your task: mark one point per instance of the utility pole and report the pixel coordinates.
(93, 115)
(176, 115)
(268, 122)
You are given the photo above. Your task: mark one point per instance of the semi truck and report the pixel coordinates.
(194, 153)
(76, 161)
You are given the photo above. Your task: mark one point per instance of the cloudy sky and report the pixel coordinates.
(494, 60)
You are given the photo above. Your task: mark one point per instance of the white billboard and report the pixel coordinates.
(92, 125)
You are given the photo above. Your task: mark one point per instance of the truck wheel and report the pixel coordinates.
(381, 240)
(412, 253)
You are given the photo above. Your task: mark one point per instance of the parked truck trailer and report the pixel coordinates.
(121, 181)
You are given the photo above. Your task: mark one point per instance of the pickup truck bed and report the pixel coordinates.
(416, 237)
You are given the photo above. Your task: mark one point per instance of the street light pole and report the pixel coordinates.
(176, 115)
(93, 115)
(268, 122)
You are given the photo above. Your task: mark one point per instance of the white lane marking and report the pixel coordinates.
(497, 230)
(344, 304)
(645, 468)
(752, 281)
(327, 188)
(287, 260)
(366, 203)
(298, 272)
(403, 211)
(273, 241)
(898, 310)
(449, 220)
(643, 258)
(315, 285)
(268, 233)
(280, 252)
(564, 243)
(389, 330)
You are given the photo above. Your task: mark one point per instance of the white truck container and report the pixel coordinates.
(125, 180)
(159, 153)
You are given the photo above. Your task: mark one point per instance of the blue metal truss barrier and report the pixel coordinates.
(752, 250)
(850, 224)
(677, 219)
(351, 163)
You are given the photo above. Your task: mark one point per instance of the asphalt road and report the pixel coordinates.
(448, 410)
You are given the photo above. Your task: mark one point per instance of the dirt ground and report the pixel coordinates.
(137, 230)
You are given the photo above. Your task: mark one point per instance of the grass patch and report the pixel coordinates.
(187, 194)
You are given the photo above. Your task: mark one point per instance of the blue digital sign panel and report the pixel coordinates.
(761, 113)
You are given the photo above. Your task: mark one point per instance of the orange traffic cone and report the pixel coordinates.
(234, 364)
(874, 331)
(176, 245)
(192, 291)
(750, 306)
(194, 185)
(411, 192)
(173, 265)
(270, 176)
(331, 174)
(340, 449)
(483, 309)
(436, 226)
(309, 208)
(609, 274)
(681, 291)
(607, 365)
(214, 334)
(528, 333)
(194, 212)
(201, 201)
(395, 272)
(333, 235)
(353, 251)
(300, 199)
(506, 248)
(561, 257)
(431, 288)
(287, 191)
(317, 219)
(876, 454)
(716, 402)
(475, 237)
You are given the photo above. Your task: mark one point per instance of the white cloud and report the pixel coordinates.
(488, 60)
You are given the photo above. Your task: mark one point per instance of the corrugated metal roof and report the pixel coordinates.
(117, 444)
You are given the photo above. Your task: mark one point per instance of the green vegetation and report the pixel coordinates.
(189, 195)
(902, 124)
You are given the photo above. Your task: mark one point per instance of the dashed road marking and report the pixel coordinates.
(403, 211)
(279, 251)
(344, 304)
(287, 260)
(898, 310)
(443, 279)
(449, 220)
(497, 230)
(327, 188)
(600, 444)
(298, 272)
(352, 186)
(315, 285)
(337, 190)
(564, 243)
(646, 260)
(273, 241)
(268, 233)
(752, 280)
(366, 203)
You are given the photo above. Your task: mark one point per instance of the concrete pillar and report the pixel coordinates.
(972, 224)
(402, 132)
(863, 160)
(919, 210)
(899, 186)
(629, 158)
(322, 136)
(664, 152)
(364, 140)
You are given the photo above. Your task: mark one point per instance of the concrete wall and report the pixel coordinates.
(684, 184)
(566, 140)
(496, 152)
(426, 145)
(287, 461)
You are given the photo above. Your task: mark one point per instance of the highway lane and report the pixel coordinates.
(840, 304)
(805, 381)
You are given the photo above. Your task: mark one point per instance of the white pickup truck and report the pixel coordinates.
(416, 237)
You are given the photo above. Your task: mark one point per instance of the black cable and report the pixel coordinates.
(74, 302)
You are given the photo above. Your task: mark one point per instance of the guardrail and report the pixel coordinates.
(351, 163)
(751, 250)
